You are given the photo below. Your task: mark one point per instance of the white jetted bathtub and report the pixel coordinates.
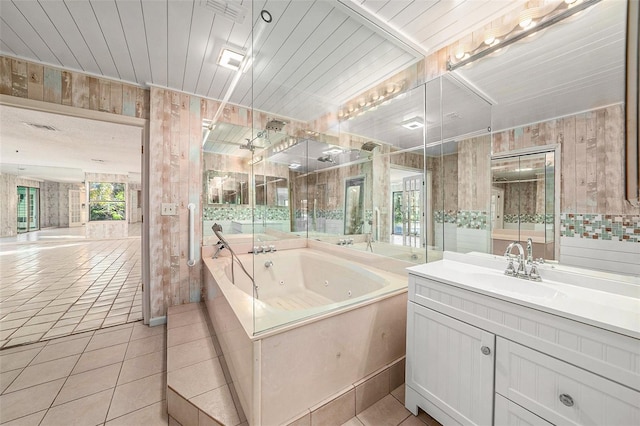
(321, 323)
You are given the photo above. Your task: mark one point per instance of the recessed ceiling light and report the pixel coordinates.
(413, 123)
(294, 165)
(332, 151)
(97, 160)
(230, 59)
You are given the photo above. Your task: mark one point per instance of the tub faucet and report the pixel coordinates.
(268, 264)
(219, 247)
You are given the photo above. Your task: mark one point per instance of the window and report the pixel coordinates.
(106, 201)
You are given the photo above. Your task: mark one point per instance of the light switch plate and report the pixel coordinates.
(169, 209)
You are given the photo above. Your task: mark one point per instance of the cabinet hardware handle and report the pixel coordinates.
(485, 350)
(566, 399)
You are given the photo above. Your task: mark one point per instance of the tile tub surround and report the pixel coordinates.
(114, 376)
(345, 346)
(199, 386)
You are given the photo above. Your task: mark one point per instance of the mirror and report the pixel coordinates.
(523, 202)
(272, 191)
(354, 206)
(226, 187)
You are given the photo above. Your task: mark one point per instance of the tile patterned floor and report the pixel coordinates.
(113, 376)
(56, 283)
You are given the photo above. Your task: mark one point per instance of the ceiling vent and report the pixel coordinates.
(42, 127)
(230, 9)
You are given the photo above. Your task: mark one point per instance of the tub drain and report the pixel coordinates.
(281, 282)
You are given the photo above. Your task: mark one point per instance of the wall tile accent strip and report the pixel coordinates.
(528, 218)
(245, 213)
(600, 226)
(471, 219)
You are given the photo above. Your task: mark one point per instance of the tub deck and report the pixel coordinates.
(298, 300)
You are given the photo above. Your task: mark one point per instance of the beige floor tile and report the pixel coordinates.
(28, 401)
(353, 422)
(116, 319)
(7, 325)
(17, 359)
(185, 318)
(7, 378)
(190, 353)
(55, 350)
(17, 314)
(197, 378)
(187, 333)
(103, 330)
(59, 331)
(44, 372)
(182, 411)
(26, 330)
(387, 411)
(87, 383)
(371, 391)
(398, 393)
(412, 421)
(177, 309)
(152, 415)
(142, 366)
(138, 394)
(111, 338)
(32, 338)
(100, 358)
(145, 346)
(427, 419)
(90, 410)
(5, 334)
(30, 420)
(141, 331)
(39, 319)
(89, 325)
(15, 349)
(218, 403)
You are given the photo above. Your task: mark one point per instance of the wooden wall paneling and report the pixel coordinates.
(115, 96)
(52, 85)
(568, 172)
(94, 93)
(142, 103)
(129, 100)
(185, 183)
(601, 164)
(80, 90)
(614, 153)
(194, 155)
(591, 163)
(19, 78)
(104, 95)
(5, 76)
(173, 178)
(156, 193)
(580, 163)
(35, 82)
(67, 88)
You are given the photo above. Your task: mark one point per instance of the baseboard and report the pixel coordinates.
(157, 321)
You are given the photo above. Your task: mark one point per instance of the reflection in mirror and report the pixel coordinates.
(227, 187)
(271, 191)
(354, 206)
(523, 202)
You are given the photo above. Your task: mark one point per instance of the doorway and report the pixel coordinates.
(28, 209)
(92, 283)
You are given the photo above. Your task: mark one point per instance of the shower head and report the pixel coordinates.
(326, 159)
(249, 145)
(275, 125)
(369, 146)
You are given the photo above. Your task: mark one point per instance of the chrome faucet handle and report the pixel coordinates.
(522, 269)
(534, 275)
(263, 249)
(272, 248)
(256, 249)
(511, 270)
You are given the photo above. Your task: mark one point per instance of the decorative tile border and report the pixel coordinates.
(245, 213)
(528, 218)
(470, 219)
(600, 226)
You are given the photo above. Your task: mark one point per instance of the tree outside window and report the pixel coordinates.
(106, 201)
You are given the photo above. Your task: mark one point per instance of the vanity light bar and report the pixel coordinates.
(530, 30)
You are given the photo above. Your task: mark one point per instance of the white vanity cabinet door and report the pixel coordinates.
(559, 392)
(450, 364)
(511, 414)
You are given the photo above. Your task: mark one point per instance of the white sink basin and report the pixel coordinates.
(512, 286)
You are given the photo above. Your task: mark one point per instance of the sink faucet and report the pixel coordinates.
(522, 272)
(511, 270)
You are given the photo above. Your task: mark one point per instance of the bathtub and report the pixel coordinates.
(322, 322)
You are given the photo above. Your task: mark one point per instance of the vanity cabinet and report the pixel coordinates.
(452, 364)
(473, 358)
